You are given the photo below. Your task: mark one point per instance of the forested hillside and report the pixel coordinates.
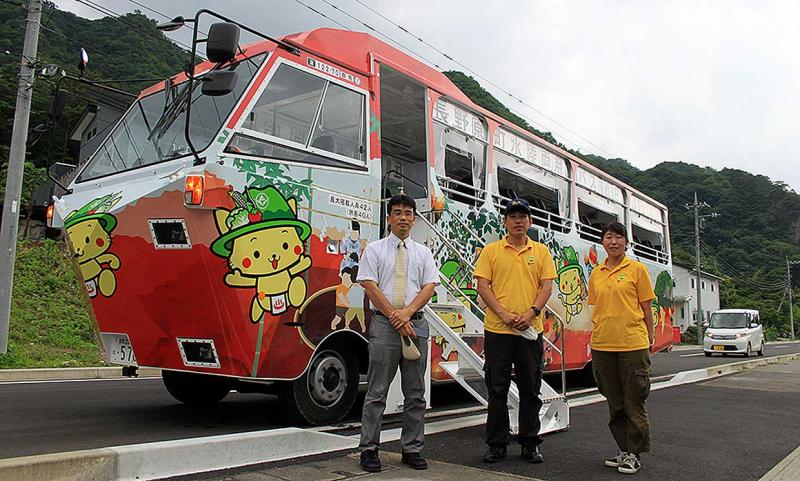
(128, 47)
(758, 223)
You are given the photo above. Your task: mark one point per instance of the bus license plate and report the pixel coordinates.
(719, 348)
(119, 349)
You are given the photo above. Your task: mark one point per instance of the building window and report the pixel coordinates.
(703, 284)
(692, 282)
(712, 287)
(683, 313)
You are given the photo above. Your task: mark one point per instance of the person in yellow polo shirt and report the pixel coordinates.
(621, 292)
(515, 279)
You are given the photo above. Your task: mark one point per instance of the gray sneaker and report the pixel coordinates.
(630, 464)
(616, 460)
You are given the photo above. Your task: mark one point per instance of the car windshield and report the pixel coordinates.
(729, 320)
(152, 130)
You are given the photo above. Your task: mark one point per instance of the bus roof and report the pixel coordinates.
(357, 50)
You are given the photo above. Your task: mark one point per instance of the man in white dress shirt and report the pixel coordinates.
(399, 276)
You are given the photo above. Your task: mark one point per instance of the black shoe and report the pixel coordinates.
(531, 454)
(494, 454)
(414, 461)
(370, 461)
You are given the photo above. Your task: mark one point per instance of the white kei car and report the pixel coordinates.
(734, 331)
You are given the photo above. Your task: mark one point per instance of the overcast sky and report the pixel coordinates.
(714, 83)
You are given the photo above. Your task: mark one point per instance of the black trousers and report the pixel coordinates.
(502, 352)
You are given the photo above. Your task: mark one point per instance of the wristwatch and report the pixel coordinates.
(536, 311)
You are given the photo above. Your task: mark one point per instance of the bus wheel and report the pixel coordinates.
(325, 393)
(196, 389)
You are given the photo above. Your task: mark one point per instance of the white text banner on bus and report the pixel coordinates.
(459, 119)
(596, 184)
(519, 147)
(643, 207)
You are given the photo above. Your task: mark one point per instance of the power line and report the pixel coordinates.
(414, 53)
(111, 13)
(449, 57)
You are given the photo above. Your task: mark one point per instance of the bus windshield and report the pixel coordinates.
(152, 130)
(729, 320)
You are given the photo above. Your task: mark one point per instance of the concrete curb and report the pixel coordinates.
(71, 373)
(174, 458)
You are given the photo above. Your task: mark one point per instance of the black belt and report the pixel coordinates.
(414, 317)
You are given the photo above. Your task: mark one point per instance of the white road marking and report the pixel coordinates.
(778, 347)
(690, 355)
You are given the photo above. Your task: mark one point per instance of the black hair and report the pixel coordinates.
(616, 228)
(354, 274)
(354, 225)
(346, 270)
(401, 199)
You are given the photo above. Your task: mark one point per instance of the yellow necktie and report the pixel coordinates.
(399, 288)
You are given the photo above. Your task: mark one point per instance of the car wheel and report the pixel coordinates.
(708, 354)
(761, 351)
(196, 389)
(748, 351)
(327, 390)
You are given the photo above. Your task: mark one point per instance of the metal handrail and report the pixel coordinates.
(562, 351)
(461, 222)
(561, 221)
(451, 284)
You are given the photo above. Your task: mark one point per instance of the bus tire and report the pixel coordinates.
(325, 393)
(195, 389)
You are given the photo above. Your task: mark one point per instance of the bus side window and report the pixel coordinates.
(287, 107)
(460, 165)
(591, 221)
(303, 118)
(545, 192)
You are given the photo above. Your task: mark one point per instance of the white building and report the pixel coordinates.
(685, 295)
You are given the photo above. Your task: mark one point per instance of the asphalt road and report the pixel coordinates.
(47, 417)
(734, 427)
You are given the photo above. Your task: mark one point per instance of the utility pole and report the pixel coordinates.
(16, 167)
(697, 219)
(789, 279)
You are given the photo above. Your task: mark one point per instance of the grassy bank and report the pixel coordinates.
(50, 326)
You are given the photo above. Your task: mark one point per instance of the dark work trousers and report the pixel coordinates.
(385, 356)
(624, 379)
(502, 351)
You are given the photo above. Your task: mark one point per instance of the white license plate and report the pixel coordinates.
(119, 349)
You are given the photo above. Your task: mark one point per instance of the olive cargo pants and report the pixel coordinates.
(624, 379)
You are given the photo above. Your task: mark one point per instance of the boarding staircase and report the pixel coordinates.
(468, 369)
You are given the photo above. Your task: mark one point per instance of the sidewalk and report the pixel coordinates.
(744, 426)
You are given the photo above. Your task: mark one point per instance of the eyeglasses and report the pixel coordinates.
(402, 213)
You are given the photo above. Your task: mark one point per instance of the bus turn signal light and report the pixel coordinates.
(49, 215)
(193, 193)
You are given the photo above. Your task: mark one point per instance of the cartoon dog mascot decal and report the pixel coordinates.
(262, 238)
(89, 232)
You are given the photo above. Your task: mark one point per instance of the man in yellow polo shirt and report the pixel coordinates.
(515, 279)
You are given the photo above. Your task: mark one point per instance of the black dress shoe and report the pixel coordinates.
(370, 461)
(414, 461)
(494, 454)
(531, 454)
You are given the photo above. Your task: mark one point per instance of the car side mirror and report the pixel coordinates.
(223, 42)
(705, 324)
(219, 82)
(753, 325)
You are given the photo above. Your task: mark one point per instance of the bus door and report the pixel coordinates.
(404, 158)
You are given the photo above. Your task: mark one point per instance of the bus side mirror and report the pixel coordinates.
(219, 82)
(223, 42)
